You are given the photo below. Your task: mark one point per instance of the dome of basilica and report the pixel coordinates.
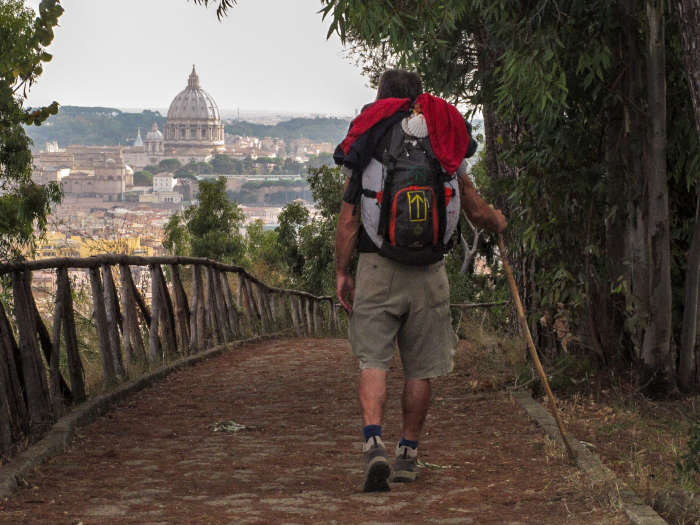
(193, 117)
(193, 102)
(155, 133)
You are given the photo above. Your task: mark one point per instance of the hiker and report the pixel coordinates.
(404, 158)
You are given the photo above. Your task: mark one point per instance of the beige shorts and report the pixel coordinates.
(407, 304)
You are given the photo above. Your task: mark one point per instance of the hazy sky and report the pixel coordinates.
(267, 54)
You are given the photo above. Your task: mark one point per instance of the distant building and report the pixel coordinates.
(54, 160)
(187, 188)
(163, 182)
(154, 145)
(46, 175)
(52, 147)
(102, 186)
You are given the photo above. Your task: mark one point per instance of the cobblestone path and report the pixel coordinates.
(156, 458)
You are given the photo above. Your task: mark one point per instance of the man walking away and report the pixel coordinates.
(404, 157)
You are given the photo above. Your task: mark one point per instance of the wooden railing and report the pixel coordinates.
(42, 368)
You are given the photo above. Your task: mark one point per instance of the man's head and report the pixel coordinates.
(399, 83)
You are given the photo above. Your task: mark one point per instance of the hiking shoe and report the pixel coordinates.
(405, 464)
(377, 468)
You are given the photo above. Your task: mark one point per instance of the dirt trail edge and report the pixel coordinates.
(157, 458)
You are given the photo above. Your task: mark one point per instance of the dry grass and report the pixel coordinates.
(642, 441)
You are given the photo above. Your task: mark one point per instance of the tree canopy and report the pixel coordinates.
(591, 149)
(24, 205)
(211, 228)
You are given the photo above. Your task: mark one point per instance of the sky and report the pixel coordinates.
(267, 55)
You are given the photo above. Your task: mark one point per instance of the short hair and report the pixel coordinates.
(399, 83)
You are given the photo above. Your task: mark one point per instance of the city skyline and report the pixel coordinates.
(267, 55)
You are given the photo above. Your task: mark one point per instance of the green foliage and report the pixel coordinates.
(23, 41)
(211, 228)
(192, 169)
(319, 129)
(292, 219)
(306, 244)
(224, 164)
(263, 256)
(168, 165)
(327, 190)
(143, 178)
(94, 126)
(317, 247)
(177, 236)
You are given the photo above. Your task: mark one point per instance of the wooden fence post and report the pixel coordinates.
(274, 311)
(98, 304)
(155, 352)
(33, 377)
(112, 316)
(197, 327)
(290, 298)
(54, 372)
(182, 310)
(309, 316)
(14, 410)
(247, 304)
(73, 361)
(255, 313)
(167, 316)
(140, 302)
(299, 303)
(45, 342)
(266, 299)
(316, 314)
(212, 310)
(220, 305)
(131, 335)
(234, 320)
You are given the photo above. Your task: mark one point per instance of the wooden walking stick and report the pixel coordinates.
(530, 343)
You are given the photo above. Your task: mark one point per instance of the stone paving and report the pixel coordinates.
(156, 458)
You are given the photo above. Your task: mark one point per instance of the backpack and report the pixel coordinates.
(409, 205)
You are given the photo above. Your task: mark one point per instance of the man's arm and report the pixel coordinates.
(476, 208)
(345, 243)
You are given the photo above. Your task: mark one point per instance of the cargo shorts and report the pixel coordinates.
(406, 304)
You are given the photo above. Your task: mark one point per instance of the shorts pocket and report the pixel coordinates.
(373, 279)
(437, 287)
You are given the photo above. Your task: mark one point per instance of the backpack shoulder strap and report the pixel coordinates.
(394, 147)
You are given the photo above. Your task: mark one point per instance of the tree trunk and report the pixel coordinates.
(688, 16)
(658, 367)
(686, 358)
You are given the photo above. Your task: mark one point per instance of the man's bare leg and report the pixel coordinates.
(415, 403)
(372, 395)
